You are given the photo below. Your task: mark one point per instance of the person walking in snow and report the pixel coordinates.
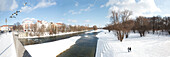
(129, 49)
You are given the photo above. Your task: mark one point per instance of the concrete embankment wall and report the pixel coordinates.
(10, 46)
(31, 41)
(20, 50)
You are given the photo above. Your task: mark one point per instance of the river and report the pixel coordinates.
(84, 47)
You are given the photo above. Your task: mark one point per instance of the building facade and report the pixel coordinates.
(28, 25)
(6, 27)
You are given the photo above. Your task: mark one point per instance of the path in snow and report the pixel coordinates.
(10, 47)
(148, 46)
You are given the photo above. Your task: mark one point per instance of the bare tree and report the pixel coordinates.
(119, 23)
(94, 27)
(128, 25)
(125, 15)
(17, 26)
(42, 30)
(35, 28)
(53, 29)
(142, 25)
(63, 28)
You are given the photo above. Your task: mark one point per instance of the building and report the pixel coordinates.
(58, 24)
(28, 25)
(6, 27)
(40, 23)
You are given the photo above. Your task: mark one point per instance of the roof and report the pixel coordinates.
(39, 21)
(6, 26)
(59, 23)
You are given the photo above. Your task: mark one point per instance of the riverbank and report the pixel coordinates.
(149, 46)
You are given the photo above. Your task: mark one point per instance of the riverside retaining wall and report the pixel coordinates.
(31, 41)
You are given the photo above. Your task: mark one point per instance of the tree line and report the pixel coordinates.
(122, 24)
(51, 28)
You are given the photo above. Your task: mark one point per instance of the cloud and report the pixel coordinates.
(73, 21)
(6, 5)
(81, 10)
(14, 5)
(41, 4)
(101, 6)
(59, 22)
(29, 19)
(44, 3)
(88, 8)
(65, 14)
(139, 8)
(166, 14)
(32, 19)
(77, 4)
(87, 21)
(73, 12)
(26, 9)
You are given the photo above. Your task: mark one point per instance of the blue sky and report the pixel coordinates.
(79, 12)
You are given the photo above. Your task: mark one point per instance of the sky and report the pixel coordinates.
(79, 12)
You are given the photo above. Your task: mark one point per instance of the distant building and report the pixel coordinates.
(28, 25)
(40, 23)
(59, 24)
(6, 27)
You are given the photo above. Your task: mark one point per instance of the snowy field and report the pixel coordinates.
(7, 46)
(51, 49)
(148, 46)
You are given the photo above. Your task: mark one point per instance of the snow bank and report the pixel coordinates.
(148, 46)
(51, 49)
(7, 46)
(93, 31)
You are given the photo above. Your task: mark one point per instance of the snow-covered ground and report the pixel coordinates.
(51, 49)
(7, 46)
(148, 46)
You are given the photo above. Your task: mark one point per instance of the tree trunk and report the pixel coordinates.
(143, 33)
(127, 35)
(118, 35)
(134, 31)
(121, 38)
(153, 31)
(140, 34)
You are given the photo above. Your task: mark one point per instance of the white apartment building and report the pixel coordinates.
(27, 25)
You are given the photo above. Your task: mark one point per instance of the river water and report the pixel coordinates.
(84, 47)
